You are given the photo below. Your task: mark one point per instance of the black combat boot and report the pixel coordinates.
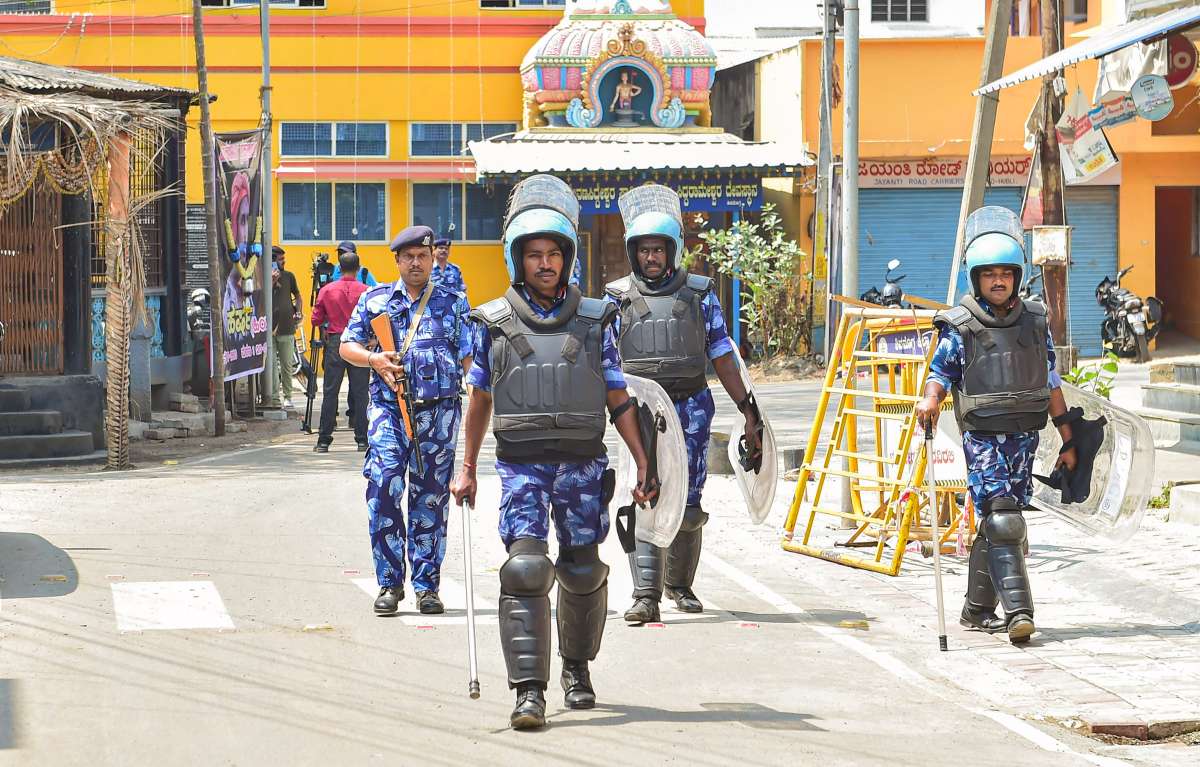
(1004, 529)
(643, 610)
(646, 565)
(577, 685)
(429, 603)
(530, 711)
(979, 608)
(389, 599)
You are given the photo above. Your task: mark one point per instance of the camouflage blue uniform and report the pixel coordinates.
(450, 278)
(433, 365)
(998, 465)
(696, 412)
(532, 493)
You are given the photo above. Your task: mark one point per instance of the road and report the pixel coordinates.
(218, 611)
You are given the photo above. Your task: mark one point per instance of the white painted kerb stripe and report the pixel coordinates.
(169, 605)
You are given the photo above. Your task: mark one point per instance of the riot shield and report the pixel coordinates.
(655, 523)
(1122, 473)
(757, 482)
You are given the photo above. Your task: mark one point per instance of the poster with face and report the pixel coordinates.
(243, 273)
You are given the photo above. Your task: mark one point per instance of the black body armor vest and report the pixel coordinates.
(663, 334)
(1005, 381)
(548, 388)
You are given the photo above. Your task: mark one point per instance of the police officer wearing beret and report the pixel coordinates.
(433, 366)
(446, 274)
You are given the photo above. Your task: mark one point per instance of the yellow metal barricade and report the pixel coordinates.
(879, 364)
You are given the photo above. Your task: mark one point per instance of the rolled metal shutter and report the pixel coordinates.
(1092, 214)
(918, 226)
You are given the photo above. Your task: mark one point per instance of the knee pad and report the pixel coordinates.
(694, 518)
(1003, 503)
(1003, 527)
(580, 570)
(528, 572)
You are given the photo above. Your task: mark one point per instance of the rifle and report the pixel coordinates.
(381, 325)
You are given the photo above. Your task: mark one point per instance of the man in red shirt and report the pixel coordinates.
(335, 303)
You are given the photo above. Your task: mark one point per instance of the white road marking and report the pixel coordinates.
(169, 605)
(892, 664)
(1045, 741)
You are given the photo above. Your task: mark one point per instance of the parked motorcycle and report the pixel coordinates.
(1028, 293)
(892, 293)
(1130, 323)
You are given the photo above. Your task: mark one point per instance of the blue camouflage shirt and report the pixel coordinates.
(716, 331)
(481, 373)
(433, 363)
(450, 278)
(950, 356)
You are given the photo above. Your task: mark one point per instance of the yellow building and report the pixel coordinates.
(917, 76)
(373, 104)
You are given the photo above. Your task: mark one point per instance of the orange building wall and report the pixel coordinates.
(1178, 263)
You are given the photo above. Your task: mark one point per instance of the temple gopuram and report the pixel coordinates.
(618, 94)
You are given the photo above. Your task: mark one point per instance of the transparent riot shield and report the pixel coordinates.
(657, 523)
(757, 486)
(1122, 473)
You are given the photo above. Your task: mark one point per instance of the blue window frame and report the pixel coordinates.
(450, 139)
(333, 139)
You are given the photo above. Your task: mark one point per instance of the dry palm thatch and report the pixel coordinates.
(93, 133)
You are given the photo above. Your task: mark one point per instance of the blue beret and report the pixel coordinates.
(443, 240)
(413, 235)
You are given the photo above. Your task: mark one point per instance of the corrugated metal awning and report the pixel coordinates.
(1102, 43)
(36, 77)
(526, 153)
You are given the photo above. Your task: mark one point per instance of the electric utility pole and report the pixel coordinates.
(268, 183)
(982, 130)
(850, 155)
(216, 321)
(1054, 276)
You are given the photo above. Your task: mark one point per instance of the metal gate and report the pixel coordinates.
(31, 289)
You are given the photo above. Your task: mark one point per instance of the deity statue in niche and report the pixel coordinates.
(622, 102)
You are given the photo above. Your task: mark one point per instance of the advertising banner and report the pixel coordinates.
(243, 274)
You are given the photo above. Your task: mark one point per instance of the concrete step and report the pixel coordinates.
(87, 459)
(31, 422)
(1185, 504)
(1176, 372)
(1182, 398)
(26, 446)
(14, 400)
(1171, 428)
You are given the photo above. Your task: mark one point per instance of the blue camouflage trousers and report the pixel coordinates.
(695, 416)
(531, 494)
(1000, 466)
(389, 466)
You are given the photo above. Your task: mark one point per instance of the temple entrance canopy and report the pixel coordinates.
(620, 64)
(617, 94)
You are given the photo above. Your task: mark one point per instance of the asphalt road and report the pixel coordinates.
(219, 612)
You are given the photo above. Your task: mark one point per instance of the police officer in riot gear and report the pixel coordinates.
(995, 352)
(550, 451)
(670, 326)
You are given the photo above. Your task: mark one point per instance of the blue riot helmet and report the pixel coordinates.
(652, 210)
(541, 206)
(993, 237)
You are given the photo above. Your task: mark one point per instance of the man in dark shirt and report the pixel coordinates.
(285, 315)
(335, 303)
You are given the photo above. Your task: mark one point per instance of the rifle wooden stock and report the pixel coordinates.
(381, 326)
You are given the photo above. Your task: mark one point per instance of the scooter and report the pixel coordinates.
(1027, 292)
(1130, 323)
(892, 293)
